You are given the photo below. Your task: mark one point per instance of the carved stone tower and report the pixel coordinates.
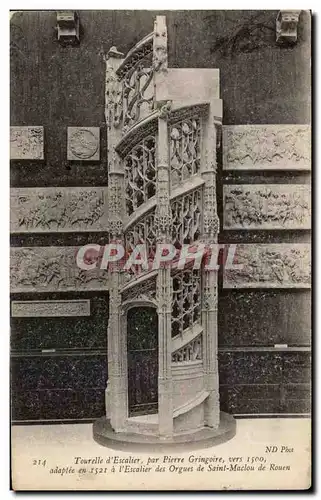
(164, 126)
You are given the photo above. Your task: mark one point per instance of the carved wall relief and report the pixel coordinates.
(267, 206)
(279, 265)
(50, 269)
(26, 143)
(260, 147)
(58, 209)
(49, 308)
(83, 143)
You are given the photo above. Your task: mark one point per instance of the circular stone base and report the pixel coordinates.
(204, 438)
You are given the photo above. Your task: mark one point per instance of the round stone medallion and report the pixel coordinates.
(83, 144)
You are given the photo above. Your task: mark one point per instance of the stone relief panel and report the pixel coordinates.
(267, 206)
(58, 209)
(49, 269)
(49, 308)
(83, 143)
(277, 265)
(266, 147)
(26, 143)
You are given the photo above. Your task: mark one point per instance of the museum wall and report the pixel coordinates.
(264, 334)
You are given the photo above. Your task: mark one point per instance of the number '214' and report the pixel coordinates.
(39, 462)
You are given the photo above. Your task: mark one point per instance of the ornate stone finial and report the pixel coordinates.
(68, 27)
(113, 52)
(164, 109)
(287, 26)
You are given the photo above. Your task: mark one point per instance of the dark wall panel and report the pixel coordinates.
(58, 387)
(57, 86)
(254, 367)
(264, 317)
(265, 382)
(84, 332)
(59, 372)
(58, 404)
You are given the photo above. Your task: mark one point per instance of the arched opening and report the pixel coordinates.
(142, 351)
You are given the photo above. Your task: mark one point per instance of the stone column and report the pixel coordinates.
(164, 287)
(116, 393)
(209, 298)
(163, 223)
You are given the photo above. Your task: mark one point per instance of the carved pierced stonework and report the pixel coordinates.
(136, 75)
(267, 206)
(279, 265)
(266, 147)
(146, 290)
(186, 218)
(51, 269)
(140, 174)
(161, 127)
(83, 143)
(193, 351)
(137, 93)
(185, 149)
(186, 300)
(58, 209)
(27, 143)
(143, 232)
(49, 308)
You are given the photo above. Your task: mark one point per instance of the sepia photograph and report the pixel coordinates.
(160, 250)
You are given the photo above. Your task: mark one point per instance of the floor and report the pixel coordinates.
(65, 456)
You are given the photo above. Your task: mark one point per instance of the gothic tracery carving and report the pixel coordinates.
(140, 174)
(145, 290)
(186, 300)
(143, 232)
(185, 149)
(186, 218)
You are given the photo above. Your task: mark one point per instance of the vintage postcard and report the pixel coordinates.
(160, 173)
